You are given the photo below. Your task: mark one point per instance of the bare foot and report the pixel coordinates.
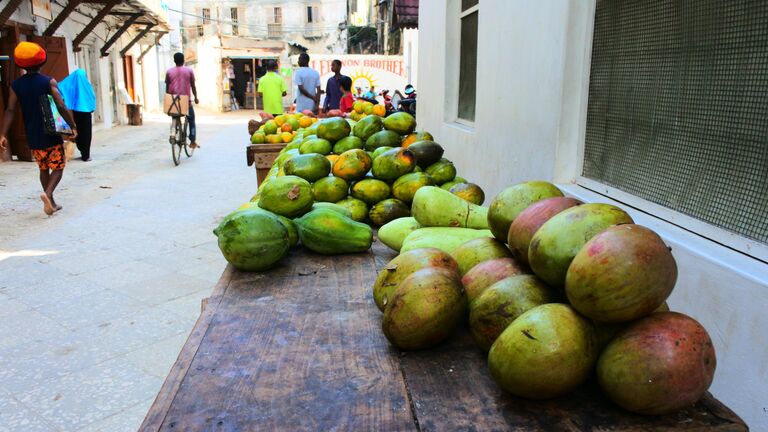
(57, 207)
(47, 205)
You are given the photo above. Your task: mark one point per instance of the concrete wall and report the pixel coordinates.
(533, 72)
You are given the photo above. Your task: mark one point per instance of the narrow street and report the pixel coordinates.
(97, 300)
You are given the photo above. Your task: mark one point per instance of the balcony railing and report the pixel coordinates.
(312, 31)
(274, 31)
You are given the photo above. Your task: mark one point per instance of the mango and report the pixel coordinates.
(435, 207)
(445, 239)
(394, 233)
(477, 250)
(405, 265)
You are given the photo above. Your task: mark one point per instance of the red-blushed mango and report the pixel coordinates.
(487, 273)
(621, 274)
(660, 364)
(405, 265)
(425, 309)
(530, 220)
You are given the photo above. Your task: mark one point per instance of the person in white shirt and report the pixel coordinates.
(308, 82)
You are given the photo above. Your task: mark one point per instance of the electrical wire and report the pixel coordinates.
(284, 29)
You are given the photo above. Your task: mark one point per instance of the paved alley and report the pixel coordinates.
(97, 300)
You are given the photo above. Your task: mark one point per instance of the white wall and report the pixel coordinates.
(533, 72)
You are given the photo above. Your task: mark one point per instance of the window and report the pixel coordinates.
(206, 16)
(233, 15)
(468, 60)
(676, 113)
(310, 15)
(277, 15)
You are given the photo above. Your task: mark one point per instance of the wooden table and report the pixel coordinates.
(300, 348)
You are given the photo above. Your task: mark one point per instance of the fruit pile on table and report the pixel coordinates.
(552, 288)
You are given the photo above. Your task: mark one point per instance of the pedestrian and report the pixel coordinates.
(81, 100)
(27, 90)
(346, 102)
(370, 94)
(308, 82)
(179, 80)
(272, 88)
(333, 91)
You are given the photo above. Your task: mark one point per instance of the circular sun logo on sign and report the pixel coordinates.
(363, 79)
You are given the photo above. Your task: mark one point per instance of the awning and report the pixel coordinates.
(406, 14)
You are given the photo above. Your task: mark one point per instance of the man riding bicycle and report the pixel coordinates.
(178, 81)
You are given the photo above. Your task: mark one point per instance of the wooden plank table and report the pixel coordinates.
(300, 348)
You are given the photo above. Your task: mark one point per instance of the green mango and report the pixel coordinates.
(435, 207)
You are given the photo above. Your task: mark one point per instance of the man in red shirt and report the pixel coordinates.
(178, 81)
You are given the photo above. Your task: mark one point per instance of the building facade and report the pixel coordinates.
(121, 46)
(236, 38)
(650, 106)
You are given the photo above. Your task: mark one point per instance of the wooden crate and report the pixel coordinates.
(263, 156)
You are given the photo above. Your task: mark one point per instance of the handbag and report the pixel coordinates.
(53, 122)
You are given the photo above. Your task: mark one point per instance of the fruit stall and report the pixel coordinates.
(368, 288)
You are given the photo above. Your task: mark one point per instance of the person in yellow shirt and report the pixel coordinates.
(272, 88)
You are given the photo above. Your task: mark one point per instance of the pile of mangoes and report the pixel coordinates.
(552, 288)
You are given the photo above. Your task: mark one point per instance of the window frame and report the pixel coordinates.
(277, 15)
(234, 15)
(453, 54)
(310, 14)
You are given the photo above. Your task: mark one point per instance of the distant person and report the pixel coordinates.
(346, 101)
(81, 100)
(371, 93)
(387, 99)
(359, 92)
(48, 150)
(333, 91)
(272, 88)
(308, 82)
(180, 80)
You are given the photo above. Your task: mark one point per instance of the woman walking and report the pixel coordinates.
(80, 99)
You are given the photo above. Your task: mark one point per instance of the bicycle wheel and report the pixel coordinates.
(175, 140)
(187, 149)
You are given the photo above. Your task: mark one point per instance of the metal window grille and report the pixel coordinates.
(678, 107)
(233, 15)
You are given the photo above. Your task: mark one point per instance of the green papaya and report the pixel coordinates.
(394, 232)
(252, 240)
(370, 191)
(317, 145)
(358, 208)
(310, 166)
(388, 210)
(445, 239)
(328, 232)
(330, 189)
(400, 122)
(442, 171)
(435, 207)
(289, 196)
(383, 138)
(427, 152)
(368, 126)
(333, 129)
(376, 153)
(280, 160)
(406, 186)
(393, 163)
(347, 143)
(334, 207)
(469, 192)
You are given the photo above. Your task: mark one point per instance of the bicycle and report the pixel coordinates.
(179, 127)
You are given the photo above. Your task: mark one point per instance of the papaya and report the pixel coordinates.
(289, 196)
(406, 186)
(293, 234)
(469, 192)
(448, 185)
(283, 158)
(252, 240)
(383, 138)
(295, 144)
(334, 207)
(352, 165)
(435, 207)
(310, 166)
(394, 232)
(328, 232)
(401, 123)
(388, 210)
(330, 189)
(442, 171)
(367, 126)
(404, 265)
(333, 129)
(445, 239)
(370, 191)
(376, 153)
(317, 145)
(308, 138)
(425, 309)
(415, 137)
(427, 153)
(358, 208)
(393, 163)
(347, 143)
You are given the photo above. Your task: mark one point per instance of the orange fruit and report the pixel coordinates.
(379, 110)
(258, 138)
(285, 128)
(305, 122)
(274, 139)
(280, 120)
(286, 137)
(367, 107)
(358, 106)
(270, 127)
(293, 123)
